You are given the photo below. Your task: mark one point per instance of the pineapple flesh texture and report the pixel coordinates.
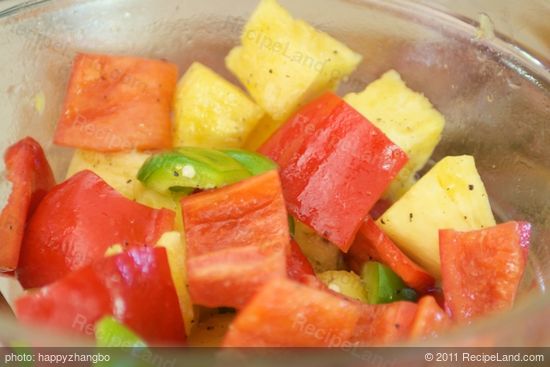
(263, 131)
(344, 282)
(322, 255)
(284, 62)
(211, 112)
(174, 243)
(119, 170)
(407, 118)
(450, 196)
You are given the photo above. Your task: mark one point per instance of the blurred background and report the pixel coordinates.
(524, 21)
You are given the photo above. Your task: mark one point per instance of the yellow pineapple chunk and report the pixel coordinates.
(450, 196)
(407, 118)
(265, 128)
(211, 329)
(345, 282)
(211, 112)
(174, 244)
(284, 62)
(119, 170)
(322, 254)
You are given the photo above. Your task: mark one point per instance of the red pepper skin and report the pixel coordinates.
(77, 221)
(237, 239)
(231, 277)
(334, 166)
(284, 313)
(384, 324)
(373, 244)
(135, 287)
(117, 103)
(250, 212)
(31, 177)
(430, 319)
(481, 269)
(298, 267)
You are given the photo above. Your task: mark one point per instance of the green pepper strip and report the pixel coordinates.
(190, 167)
(185, 169)
(111, 333)
(255, 163)
(383, 285)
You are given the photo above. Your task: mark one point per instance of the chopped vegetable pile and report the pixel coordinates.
(198, 213)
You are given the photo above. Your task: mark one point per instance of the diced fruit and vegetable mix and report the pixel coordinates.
(261, 212)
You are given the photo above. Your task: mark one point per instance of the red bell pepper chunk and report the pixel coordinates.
(287, 313)
(116, 103)
(334, 166)
(384, 324)
(31, 177)
(298, 267)
(481, 269)
(430, 319)
(249, 213)
(231, 277)
(373, 244)
(135, 287)
(237, 238)
(77, 221)
(437, 293)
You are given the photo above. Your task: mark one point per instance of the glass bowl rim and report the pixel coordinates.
(535, 70)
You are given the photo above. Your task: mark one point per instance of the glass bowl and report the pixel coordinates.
(494, 95)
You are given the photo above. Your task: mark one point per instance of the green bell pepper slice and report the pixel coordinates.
(188, 168)
(383, 285)
(129, 349)
(291, 226)
(255, 163)
(111, 333)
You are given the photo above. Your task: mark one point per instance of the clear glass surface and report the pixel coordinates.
(494, 95)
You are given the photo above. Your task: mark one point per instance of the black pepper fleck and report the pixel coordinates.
(410, 217)
(176, 174)
(129, 181)
(397, 326)
(210, 328)
(470, 187)
(382, 221)
(270, 71)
